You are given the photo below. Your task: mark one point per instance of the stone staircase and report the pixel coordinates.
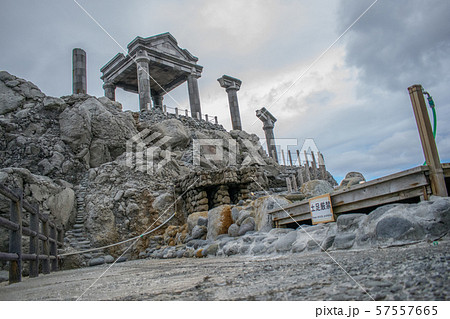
(77, 237)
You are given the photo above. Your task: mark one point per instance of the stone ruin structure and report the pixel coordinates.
(232, 85)
(268, 124)
(79, 83)
(204, 190)
(153, 67)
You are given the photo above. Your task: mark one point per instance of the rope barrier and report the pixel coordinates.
(119, 243)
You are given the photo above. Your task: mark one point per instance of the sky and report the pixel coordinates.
(346, 89)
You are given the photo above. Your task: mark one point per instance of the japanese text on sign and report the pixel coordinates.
(321, 209)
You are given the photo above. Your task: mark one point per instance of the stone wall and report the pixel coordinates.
(204, 190)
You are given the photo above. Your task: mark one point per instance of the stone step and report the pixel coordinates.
(77, 225)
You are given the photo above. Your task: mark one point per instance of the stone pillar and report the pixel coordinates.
(232, 85)
(143, 76)
(194, 95)
(157, 101)
(268, 125)
(110, 91)
(79, 83)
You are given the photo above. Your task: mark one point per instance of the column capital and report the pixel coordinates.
(229, 83)
(142, 56)
(109, 85)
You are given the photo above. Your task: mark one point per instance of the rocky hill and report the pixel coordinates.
(69, 155)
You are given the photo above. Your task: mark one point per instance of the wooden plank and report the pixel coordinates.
(29, 208)
(6, 223)
(5, 191)
(8, 256)
(29, 257)
(28, 232)
(15, 241)
(392, 188)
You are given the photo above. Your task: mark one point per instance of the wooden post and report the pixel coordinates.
(46, 248)
(308, 175)
(176, 111)
(430, 151)
(15, 239)
(53, 248)
(288, 184)
(206, 117)
(34, 243)
(314, 165)
(290, 157)
(215, 120)
(186, 113)
(282, 155)
(298, 159)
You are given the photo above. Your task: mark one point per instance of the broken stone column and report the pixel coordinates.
(79, 83)
(194, 96)
(157, 101)
(110, 90)
(143, 77)
(232, 85)
(268, 125)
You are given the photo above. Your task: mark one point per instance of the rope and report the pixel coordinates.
(119, 243)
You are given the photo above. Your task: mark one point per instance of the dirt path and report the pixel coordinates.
(417, 272)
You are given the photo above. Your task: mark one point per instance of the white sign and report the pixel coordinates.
(321, 209)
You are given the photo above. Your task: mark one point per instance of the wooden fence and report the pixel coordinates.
(38, 228)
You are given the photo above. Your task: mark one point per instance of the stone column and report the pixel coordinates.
(157, 101)
(322, 168)
(110, 91)
(79, 84)
(268, 125)
(194, 95)
(232, 85)
(143, 76)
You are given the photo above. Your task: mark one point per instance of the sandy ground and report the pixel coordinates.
(418, 272)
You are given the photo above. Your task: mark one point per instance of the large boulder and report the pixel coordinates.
(352, 178)
(95, 131)
(9, 99)
(192, 219)
(261, 208)
(315, 188)
(219, 220)
(179, 135)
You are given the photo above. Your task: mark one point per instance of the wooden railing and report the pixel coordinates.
(39, 228)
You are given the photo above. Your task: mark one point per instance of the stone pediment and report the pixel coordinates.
(163, 43)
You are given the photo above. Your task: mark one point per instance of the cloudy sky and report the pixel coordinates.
(353, 100)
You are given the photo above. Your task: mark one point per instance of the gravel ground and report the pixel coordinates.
(418, 272)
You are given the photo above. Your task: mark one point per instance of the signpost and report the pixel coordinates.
(321, 209)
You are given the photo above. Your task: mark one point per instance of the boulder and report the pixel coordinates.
(247, 225)
(352, 178)
(285, 242)
(315, 188)
(179, 135)
(198, 232)
(219, 220)
(10, 100)
(233, 230)
(261, 207)
(192, 219)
